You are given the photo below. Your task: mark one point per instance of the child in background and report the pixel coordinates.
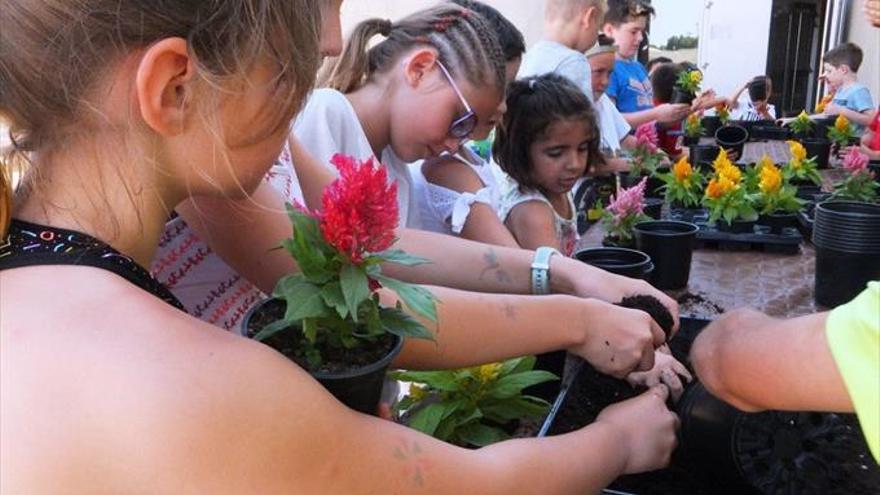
(669, 134)
(630, 87)
(870, 144)
(654, 62)
(852, 99)
(614, 129)
(757, 105)
(419, 92)
(549, 140)
(570, 28)
(458, 193)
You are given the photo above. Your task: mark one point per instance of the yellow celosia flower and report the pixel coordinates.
(765, 161)
(682, 170)
(820, 107)
(803, 117)
(719, 187)
(731, 172)
(693, 119)
(489, 372)
(841, 124)
(798, 152)
(722, 161)
(696, 76)
(771, 179)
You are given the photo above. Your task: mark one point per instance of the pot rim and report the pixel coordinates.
(644, 258)
(687, 228)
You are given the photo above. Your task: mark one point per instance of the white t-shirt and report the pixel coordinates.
(329, 125)
(612, 126)
(745, 110)
(547, 57)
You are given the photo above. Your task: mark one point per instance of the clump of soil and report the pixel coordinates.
(652, 306)
(697, 306)
(334, 360)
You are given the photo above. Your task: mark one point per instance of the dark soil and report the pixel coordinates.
(697, 306)
(291, 342)
(652, 306)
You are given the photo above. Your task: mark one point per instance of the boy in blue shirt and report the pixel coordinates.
(630, 87)
(851, 98)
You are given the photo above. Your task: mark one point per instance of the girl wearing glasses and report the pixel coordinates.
(418, 93)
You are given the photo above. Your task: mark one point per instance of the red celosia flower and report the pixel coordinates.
(359, 212)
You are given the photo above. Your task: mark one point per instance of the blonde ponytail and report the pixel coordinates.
(350, 70)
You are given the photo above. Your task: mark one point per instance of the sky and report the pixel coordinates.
(675, 17)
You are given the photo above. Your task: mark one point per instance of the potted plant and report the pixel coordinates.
(842, 134)
(859, 184)
(728, 200)
(473, 407)
(647, 160)
(693, 129)
(687, 86)
(711, 123)
(622, 213)
(802, 126)
(817, 146)
(683, 185)
(328, 318)
(776, 198)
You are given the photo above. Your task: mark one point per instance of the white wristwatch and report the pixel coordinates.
(541, 270)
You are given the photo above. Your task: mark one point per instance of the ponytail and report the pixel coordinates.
(465, 44)
(5, 200)
(349, 71)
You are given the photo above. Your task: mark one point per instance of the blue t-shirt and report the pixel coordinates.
(630, 87)
(856, 97)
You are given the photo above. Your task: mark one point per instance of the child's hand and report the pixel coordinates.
(646, 427)
(667, 370)
(832, 109)
(872, 12)
(667, 112)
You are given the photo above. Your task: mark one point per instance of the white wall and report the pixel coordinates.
(734, 39)
(867, 37)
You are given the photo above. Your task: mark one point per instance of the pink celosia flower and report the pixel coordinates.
(359, 212)
(855, 162)
(628, 202)
(646, 136)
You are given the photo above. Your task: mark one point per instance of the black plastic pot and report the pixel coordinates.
(359, 389)
(769, 132)
(653, 188)
(703, 153)
(710, 124)
(847, 239)
(737, 226)
(670, 244)
(821, 126)
(874, 167)
(653, 207)
(732, 138)
(626, 262)
(690, 141)
(819, 148)
(680, 96)
(778, 221)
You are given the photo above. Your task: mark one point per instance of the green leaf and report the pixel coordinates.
(512, 385)
(271, 329)
(516, 408)
(416, 298)
(517, 365)
(332, 295)
(310, 329)
(397, 322)
(428, 418)
(480, 435)
(355, 288)
(440, 380)
(303, 300)
(399, 257)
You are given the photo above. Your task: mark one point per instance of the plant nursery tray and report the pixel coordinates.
(760, 239)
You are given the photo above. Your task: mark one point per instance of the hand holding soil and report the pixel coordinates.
(667, 371)
(621, 340)
(647, 429)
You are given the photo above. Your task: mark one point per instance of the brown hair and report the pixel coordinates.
(623, 11)
(52, 52)
(533, 105)
(848, 54)
(464, 41)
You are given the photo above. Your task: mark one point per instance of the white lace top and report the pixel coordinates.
(446, 210)
(566, 228)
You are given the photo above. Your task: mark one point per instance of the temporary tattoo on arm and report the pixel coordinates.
(414, 464)
(510, 311)
(491, 259)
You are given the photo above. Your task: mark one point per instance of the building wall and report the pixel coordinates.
(860, 32)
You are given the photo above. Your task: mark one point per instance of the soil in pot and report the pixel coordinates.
(354, 376)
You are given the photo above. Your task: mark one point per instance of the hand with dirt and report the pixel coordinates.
(620, 340)
(647, 429)
(626, 287)
(667, 371)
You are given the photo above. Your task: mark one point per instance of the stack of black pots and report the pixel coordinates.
(847, 239)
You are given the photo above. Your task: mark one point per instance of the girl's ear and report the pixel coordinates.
(163, 86)
(417, 66)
